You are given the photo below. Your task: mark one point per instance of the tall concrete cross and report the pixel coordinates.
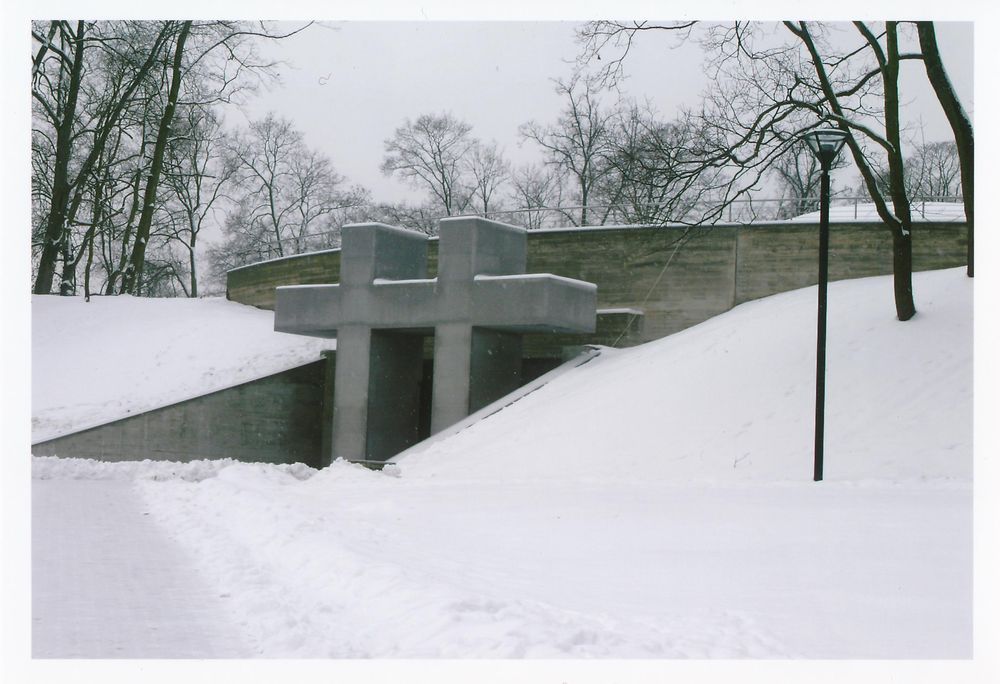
(476, 309)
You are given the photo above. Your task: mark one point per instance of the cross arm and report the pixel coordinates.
(534, 303)
(312, 310)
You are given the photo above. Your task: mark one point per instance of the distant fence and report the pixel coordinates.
(741, 211)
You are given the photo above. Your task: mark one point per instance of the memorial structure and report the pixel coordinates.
(652, 281)
(384, 306)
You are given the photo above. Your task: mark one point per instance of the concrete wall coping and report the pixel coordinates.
(307, 286)
(284, 258)
(513, 227)
(537, 276)
(401, 232)
(391, 281)
(622, 310)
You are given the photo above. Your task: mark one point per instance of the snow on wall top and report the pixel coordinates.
(920, 211)
(117, 356)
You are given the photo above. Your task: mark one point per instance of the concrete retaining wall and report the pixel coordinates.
(710, 269)
(277, 419)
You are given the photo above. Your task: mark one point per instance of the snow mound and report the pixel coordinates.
(102, 360)
(921, 211)
(733, 398)
(55, 468)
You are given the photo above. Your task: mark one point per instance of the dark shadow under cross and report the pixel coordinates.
(477, 308)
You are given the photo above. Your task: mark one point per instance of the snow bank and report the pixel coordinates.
(921, 211)
(733, 399)
(115, 356)
(55, 468)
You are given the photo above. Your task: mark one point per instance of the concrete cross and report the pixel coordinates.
(476, 309)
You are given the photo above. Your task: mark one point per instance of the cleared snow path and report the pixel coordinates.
(108, 583)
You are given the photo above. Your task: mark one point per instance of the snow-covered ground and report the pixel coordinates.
(654, 502)
(103, 360)
(845, 212)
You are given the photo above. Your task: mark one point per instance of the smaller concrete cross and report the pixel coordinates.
(477, 308)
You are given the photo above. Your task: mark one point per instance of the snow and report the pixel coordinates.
(733, 398)
(392, 281)
(548, 277)
(654, 502)
(78, 526)
(865, 211)
(98, 361)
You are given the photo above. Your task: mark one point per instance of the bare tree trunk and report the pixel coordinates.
(133, 275)
(110, 287)
(194, 272)
(961, 126)
(86, 270)
(55, 225)
(902, 270)
(902, 246)
(96, 219)
(67, 281)
(898, 221)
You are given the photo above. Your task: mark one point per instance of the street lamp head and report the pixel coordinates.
(825, 143)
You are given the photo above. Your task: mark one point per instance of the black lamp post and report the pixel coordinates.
(825, 144)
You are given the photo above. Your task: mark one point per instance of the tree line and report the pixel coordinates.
(124, 147)
(131, 160)
(772, 84)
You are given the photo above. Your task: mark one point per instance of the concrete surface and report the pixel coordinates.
(710, 270)
(476, 309)
(276, 419)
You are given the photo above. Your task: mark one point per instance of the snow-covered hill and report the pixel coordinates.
(93, 362)
(848, 212)
(733, 398)
(654, 502)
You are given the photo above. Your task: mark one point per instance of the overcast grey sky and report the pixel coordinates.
(351, 84)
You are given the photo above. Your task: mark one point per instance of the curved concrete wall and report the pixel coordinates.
(708, 270)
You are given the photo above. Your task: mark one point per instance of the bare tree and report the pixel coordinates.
(133, 273)
(579, 144)
(198, 176)
(536, 191)
(288, 190)
(960, 123)
(430, 153)
(934, 171)
(645, 182)
(772, 88)
(420, 217)
(288, 197)
(215, 83)
(488, 171)
(798, 176)
(58, 73)
(105, 94)
(264, 155)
